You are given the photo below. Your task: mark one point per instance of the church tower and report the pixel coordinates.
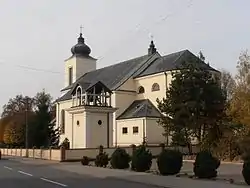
(79, 63)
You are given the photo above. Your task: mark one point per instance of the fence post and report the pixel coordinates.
(41, 152)
(162, 145)
(63, 152)
(34, 151)
(50, 152)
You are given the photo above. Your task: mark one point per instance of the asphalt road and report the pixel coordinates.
(29, 173)
(15, 174)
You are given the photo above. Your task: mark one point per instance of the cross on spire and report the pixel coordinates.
(151, 50)
(152, 37)
(81, 27)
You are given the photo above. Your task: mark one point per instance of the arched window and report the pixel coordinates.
(79, 95)
(141, 90)
(62, 121)
(155, 87)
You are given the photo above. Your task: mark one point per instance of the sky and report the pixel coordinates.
(36, 35)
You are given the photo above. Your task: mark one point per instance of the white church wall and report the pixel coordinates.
(69, 63)
(80, 66)
(68, 120)
(129, 85)
(84, 65)
(147, 82)
(78, 129)
(124, 99)
(98, 134)
(121, 100)
(147, 127)
(154, 132)
(126, 139)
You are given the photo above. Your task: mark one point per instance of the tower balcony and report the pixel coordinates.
(94, 95)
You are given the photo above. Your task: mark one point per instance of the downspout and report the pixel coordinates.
(58, 113)
(166, 80)
(72, 123)
(166, 86)
(144, 134)
(114, 117)
(108, 130)
(115, 133)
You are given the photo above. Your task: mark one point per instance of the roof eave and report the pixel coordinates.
(121, 118)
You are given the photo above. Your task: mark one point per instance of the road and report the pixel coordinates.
(29, 173)
(16, 174)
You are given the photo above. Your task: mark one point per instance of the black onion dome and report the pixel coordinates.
(81, 48)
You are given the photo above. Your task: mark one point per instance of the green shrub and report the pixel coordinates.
(102, 160)
(66, 143)
(246, 172)
(245, 155)
(85, 160)
(206, 165)
(120, 159)
(169, 162)
(101, 148)
(141, 159)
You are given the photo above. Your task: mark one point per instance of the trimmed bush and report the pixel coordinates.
(246, 166)
(206, 165)
(120, 159)
(141, 159)
(85, 160)
(102, 160)
(133, 146)
(66, 143)
(246, 172)
(169, 162)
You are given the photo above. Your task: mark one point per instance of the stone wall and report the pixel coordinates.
(47, 154)
(77, 154)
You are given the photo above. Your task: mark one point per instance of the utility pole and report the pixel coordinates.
(27, 126)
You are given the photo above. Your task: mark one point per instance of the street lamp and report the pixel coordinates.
(27, 101)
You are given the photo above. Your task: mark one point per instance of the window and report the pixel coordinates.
(99, 122)
(135, 130)
(63, 121)
(79, 95)
(141, 90)
(70, 75)
(155, 87)
(124, 130)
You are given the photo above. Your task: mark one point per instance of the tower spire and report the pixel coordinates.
(81, 27)
(152, 50)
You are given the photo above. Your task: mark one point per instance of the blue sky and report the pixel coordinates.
(39, 35)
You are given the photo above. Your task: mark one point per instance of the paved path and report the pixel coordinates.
(227, 171)
(27, 174)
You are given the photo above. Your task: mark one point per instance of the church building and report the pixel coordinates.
(115, 105)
